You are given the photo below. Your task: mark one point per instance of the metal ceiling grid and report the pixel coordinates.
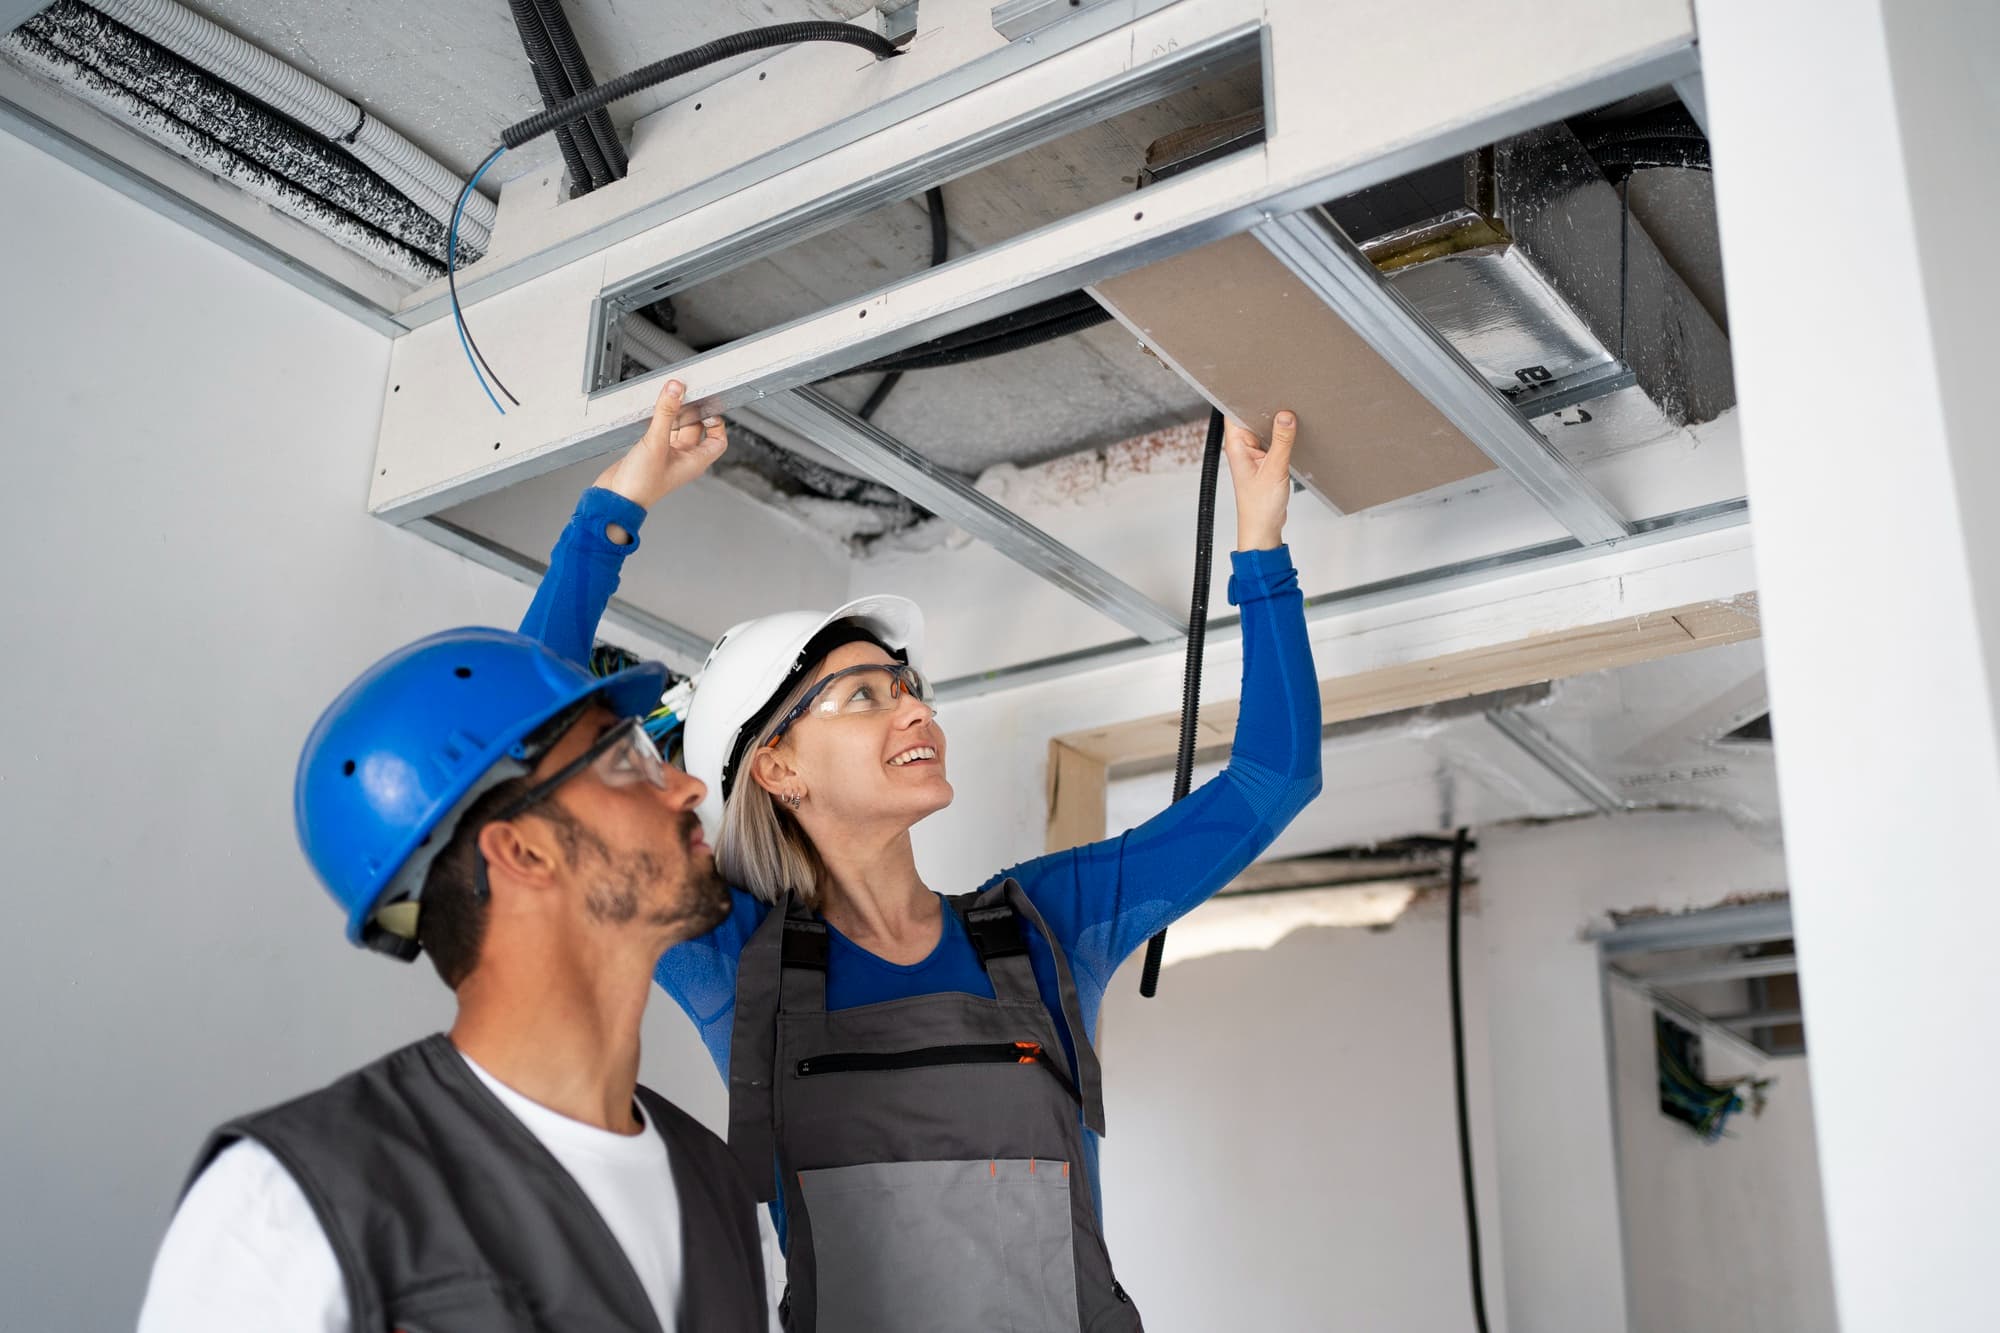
(536, 321)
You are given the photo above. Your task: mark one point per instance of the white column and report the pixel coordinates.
(1856, 145)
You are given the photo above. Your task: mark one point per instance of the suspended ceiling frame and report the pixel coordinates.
(552, 266)
(544, 315)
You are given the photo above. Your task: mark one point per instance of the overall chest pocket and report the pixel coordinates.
(916, 1247)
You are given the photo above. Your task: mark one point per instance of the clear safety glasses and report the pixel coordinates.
(854, 690)
(623, 756)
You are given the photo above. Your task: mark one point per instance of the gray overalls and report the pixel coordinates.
(929, 1147)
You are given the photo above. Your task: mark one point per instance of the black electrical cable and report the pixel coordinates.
(1014, 321)
(1005, 343)
(541, 51)
(940, 251)
(723, 48)
(1458, 848)
(555, 21)
(579, 174)
(581, 105)
(1057, 318)
(1204, 558)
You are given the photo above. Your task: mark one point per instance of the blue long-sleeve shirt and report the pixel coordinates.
(1101, 901)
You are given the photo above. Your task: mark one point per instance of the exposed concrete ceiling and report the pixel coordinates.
(450, 74)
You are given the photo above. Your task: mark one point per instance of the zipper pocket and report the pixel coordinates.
(924, 1057)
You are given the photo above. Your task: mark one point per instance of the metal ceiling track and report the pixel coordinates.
(885, 459)
(1333, 268)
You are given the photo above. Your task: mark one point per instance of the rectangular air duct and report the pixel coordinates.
(1523, 257)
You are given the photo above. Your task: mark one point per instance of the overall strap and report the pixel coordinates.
(753, 1050)
(993, 919)
(802, 958)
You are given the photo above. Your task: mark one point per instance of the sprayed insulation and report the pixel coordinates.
(38, 57)
(237, 122)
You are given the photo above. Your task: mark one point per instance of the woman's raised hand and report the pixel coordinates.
(1262, 479)
(677, 447)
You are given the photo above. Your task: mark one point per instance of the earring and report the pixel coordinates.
(793, 799)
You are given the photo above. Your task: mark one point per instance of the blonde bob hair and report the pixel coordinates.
(762, 849)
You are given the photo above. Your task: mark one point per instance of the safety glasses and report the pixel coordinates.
(623, 756)
(872, 688)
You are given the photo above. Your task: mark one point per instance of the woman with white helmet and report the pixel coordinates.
(912, 1080)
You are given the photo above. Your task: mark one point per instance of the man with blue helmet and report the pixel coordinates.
(478, 798)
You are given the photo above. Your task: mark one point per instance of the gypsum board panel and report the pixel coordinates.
(1235, 322)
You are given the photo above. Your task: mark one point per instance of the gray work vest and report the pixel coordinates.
(448, 1216)
(929, 1147)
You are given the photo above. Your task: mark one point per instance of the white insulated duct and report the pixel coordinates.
(431, 185)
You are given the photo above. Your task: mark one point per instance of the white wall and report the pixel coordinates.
(192, 577)
(1283, 1150)
(1726, 1237)
(1879, 497)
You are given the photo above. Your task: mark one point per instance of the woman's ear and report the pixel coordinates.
(771, 769)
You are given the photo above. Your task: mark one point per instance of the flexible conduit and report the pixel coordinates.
(1204, 560)
(305, 99)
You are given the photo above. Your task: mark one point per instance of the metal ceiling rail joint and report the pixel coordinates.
(1321, 256)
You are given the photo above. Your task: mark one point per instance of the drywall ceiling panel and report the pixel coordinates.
(1235, 321)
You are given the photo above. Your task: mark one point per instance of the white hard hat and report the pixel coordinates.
(756, 661)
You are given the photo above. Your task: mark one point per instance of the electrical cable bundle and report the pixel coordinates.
(1704, 1105)
(667, 722)
(590, 146)
(578, 110)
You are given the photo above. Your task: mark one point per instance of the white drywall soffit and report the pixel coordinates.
(1382, 123)
(1647, 732)
(1890, 761)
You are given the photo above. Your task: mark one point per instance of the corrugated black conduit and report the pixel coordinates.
(723, 48)
(1204, 558)
(554, 79)
(582, 81)
(573, 163)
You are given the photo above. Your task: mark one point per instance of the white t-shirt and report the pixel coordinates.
(245, 1252)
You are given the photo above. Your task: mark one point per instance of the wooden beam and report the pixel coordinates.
(1081, 763)
(1076, 797)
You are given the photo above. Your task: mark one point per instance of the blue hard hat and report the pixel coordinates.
(418, 736)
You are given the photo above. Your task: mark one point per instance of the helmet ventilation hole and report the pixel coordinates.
(347, 769)
(463, 673)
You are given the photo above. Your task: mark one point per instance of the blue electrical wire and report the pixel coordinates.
(473, 356)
